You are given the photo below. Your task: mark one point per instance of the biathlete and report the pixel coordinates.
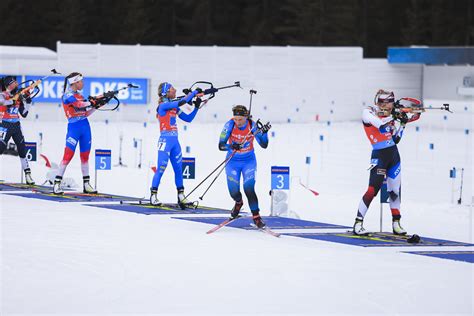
(237, 138)
(379, 125)
(169, 148)
(10, 111)
(77, 109)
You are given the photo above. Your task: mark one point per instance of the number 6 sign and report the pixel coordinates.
(30, 151)
(280, 178)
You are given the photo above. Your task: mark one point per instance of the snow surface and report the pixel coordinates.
(67, 258)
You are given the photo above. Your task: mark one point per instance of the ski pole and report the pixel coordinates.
(460, 189)
(252, 92)
(225, 162)
(207, 177)
(210, 185)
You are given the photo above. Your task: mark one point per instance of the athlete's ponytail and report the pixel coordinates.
(72, 74)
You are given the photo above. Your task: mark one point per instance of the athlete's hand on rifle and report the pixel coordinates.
(400, 116)
(25, 99)
(236, 146)
(97, 102)
(199, 103)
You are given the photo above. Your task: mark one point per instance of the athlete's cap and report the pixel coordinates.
(8, 80)
(386, 97)
(165, 88)
(75, 79)
(240, 110)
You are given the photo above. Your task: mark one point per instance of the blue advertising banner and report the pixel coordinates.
(52, 88)
(431, 55)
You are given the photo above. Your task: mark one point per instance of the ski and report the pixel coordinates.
(161, 205)
(222, 224)
(266, 230)
(412, 239)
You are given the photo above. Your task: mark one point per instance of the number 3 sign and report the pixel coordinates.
(280, 178)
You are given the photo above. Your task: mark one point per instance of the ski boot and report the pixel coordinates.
(87, 186)
(358, 228)
(183, 202)
(236, 209)
(257, 219)
(154, 198)
(29, 180)
(57, 186)
(397, 228)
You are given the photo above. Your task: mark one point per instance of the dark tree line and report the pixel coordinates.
(372, 24)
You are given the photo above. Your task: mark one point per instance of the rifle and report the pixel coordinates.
(32, 90)
(108, 96)
(412, 105)
(210, 91)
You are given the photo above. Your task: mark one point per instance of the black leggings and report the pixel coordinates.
(386, 159)
(12, 130)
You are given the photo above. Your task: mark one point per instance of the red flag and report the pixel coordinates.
(48, 164)
(312, 191)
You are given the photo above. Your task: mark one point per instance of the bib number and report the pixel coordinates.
(3, 133)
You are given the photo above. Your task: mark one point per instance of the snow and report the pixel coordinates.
(67, 258)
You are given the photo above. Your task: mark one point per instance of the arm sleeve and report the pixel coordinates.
(224, 136)
(188, 117)
(398, 134)
(262, 138)
(166, 106)
(78, 105)
(4, 101)
(24, 108)
(369, 117)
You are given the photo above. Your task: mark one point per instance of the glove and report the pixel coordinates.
(25, 99)
(266, 128)
(402, 117)
(236, 146)
(197, 103)
(95, 102)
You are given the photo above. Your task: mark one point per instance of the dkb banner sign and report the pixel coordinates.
(52, 88)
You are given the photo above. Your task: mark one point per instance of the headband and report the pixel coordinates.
(165, 88)
(75, 79)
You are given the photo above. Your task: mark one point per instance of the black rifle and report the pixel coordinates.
(210, 91)
(109, 96)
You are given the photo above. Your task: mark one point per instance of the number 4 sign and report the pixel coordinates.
(189, 168)
(280, 178)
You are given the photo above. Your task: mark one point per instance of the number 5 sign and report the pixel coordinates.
(103, 159)
(280, 178)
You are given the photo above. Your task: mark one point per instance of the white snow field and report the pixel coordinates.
(72, 259)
